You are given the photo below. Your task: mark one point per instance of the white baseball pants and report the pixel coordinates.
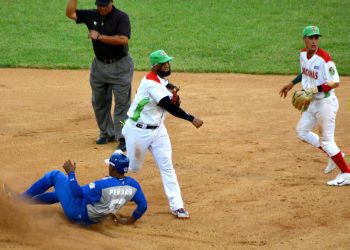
(138, 141)
(322, 113)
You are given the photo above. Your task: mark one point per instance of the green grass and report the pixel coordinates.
(245, 36)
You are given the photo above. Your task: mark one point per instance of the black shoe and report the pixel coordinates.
(121, 144)
(105, 140)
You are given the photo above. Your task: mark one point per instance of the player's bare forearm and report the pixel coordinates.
(332, 84)
(71, 9)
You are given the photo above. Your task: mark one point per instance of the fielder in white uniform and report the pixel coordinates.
(319, 74)
(144, 129)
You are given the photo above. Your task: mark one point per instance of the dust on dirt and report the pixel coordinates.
(245, 178)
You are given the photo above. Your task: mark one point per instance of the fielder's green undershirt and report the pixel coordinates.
(297, 79)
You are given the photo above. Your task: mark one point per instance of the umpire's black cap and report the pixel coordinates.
(102, 2)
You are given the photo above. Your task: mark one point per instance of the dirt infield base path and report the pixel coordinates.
(246, 180)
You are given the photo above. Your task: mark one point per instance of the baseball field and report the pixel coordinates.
(246, 179)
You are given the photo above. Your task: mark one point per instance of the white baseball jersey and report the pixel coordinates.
(144, 108)
(324, 107)
(139, 140)
(317, 70)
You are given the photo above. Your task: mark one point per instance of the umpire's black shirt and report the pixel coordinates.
(114, 23)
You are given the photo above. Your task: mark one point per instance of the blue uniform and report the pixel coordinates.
(90, 203)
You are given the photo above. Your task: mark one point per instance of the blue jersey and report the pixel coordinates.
(106, 196)
(90, 203)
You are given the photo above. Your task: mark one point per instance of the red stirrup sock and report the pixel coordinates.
(341, 163)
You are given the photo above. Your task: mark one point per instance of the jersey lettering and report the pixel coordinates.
(120, 191)
(310, 73)
(116, 203)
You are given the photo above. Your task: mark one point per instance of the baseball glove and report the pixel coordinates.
(302, 99)
(174, 90)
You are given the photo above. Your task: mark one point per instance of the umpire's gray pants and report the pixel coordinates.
(106, 79)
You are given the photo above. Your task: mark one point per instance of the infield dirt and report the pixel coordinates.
(245, 178)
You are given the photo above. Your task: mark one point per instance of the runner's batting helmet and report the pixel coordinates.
(119, 161)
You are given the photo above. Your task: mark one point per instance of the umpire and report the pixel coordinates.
(112, 68)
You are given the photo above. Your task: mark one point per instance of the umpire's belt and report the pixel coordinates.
(111, 60)
(145, 126)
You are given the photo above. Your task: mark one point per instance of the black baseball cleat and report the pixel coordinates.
(121, 144)
(105, 140)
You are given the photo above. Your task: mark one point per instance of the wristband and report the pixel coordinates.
(325, 87)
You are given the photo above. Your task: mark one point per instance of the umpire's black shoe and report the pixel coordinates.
(105, 140)
(121, 144)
